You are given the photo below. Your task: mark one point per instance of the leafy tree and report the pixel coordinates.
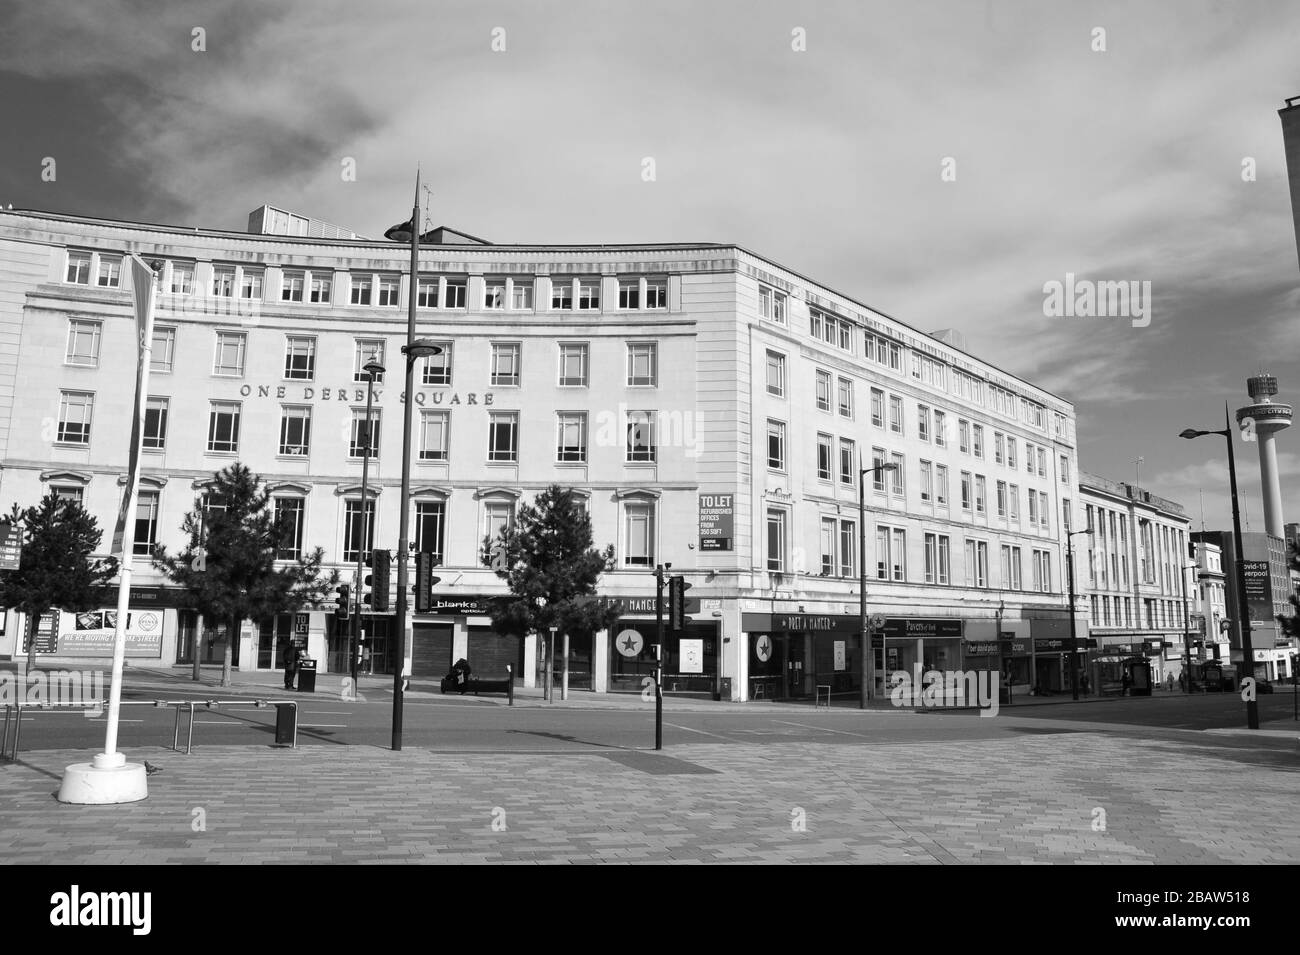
(57, 570)
(548, 561)
(229, 567)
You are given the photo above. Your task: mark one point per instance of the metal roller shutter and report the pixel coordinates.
(431, 650)
(490, 653)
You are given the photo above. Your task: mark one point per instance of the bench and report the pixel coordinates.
(479, 685)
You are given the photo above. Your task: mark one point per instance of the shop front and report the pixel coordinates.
(1010, 656)
(798, 656)
(691, 657)
(906, 644)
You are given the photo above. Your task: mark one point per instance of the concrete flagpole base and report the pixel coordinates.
(109, 779)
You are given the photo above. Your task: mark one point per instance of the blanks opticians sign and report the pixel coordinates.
(717, 521)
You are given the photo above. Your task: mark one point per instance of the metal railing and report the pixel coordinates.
(16, 711)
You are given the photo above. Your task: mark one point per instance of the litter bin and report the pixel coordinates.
(307, 676)
(286, 723)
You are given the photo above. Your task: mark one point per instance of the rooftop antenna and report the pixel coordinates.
(428, 204)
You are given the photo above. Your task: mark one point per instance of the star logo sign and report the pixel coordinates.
(763, 649)
(629, 643)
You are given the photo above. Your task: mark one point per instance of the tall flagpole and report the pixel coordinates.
(110, 778)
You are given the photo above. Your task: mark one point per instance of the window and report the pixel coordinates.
(965, 490)
(1011, 452)
(223, 426)
(963, 435)
(999, 456)
(431, 529)
(521, 294)
(497, 515)
(291, 287)
(435, 429)
(494, 294)
(877, 407)
(155, 424)
(505, 364)
(250, 285)
(561, 293)
(977, 564)
(163, 351)
(1002, 498)
(927, 482)
(895, 414)
(641, 445)
(941, 485)
(321, 288)
(882, 552)
(363, 435)
(824, 453)
(977, 432)
(878, 459)
(1033, 507)
(923, 422)
(845, 393)
(573, 364)
(78, 268)
(389, 291)
(775, 445)
(829, 538)
(367, 350)
(358, 537)
(300, 358)
(182, 282)
(1042, 462)
(146, 523)
(776, 374)
(1067, 521)
(640, 521)
(223, 282)
(589, 293)
(1065, 469)
(980, 489)
(361, 285)
(295, 429)
(936, 558)
(437, 368)
(823, 390)
(643, 363)
(848, 531)
(76, 408)
(572, 439)
(656, 293)
(503, 436)
(771, 304)
(1042, 571)
(898, 554)
(1013, 502)
(110, 272)
(884, 352)
(629, 293)
(65, 492)
(940, 430)
(455, 290)
(848, 462)
(776, 536)
(896, 475)
(1044, 508)
(230, 354)
(830, 329)
(1010, 567)
(83, 343)
(289, 518)
(426, 293)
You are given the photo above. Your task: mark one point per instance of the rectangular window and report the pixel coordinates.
(521, 294)
(289, 518)
(898, 554)
(963, 436)
(944, 559)
(426, 293)
(1033, 507)
(848, 462)
(643, 363)
(83, 343)
(76, 408)
(941, 485)
(503, 436)
(828, 541)
(771, 304)
(776, 374)
(1010, 567)
(1011, 452)
(977, 432)
(363, 434)
(656, 293)
(155, 424)
(999, 445)
(641, 444)
(573, 365)
(979, 494)
(230, 354)
(629, 294)
(223, 426)
(182, 282)
(1002, 498)
(431, 529)
(358, 538)
(223, 282)
(1065, 469)
(456, 294)
(848, 535)
(589, 293)
(824, 454)
(435, 427)
(78, 268)
(923, 422)
(895, 414)
(1042, 571)
(877, 407)
(775, 445)
(505, 364)
(882, 552)
(321, 289)
(640, 520)
(496, 516)
(295, 430)
(931, 545)
(940, 430)
(366, 351)
(1044, 509)
(389, 291)
(361, 286)
(1013, 502)
(823, 390)
(572, 439)
(437, 368)
(1029, 458)
(110, 272)
(927, 482)
(966, 495)
(250, 285)
(977, 564)
(896, 475)
(494, 294)
(300, 358)
(163, 352)
(1042, 462)
(776, 537)
(879, 456)
(845, 394)
(291, 286)
(561, 293)
(146, 523)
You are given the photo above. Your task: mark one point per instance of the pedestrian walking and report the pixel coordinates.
(1127, 682)
(290, 665)
(1083, 683)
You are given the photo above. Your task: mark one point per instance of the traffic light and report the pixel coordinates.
(677, 587)
(342, 603)
(424, 582)
(377, 581)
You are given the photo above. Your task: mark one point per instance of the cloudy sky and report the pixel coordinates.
(1128, 163)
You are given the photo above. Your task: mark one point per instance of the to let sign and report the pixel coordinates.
(717, 521)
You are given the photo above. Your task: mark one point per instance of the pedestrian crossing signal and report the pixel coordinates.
(677, 587)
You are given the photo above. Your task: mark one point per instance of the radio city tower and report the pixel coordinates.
(1263, 419)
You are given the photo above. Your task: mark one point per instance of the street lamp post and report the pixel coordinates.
(868, 652)
(1187, 630)
(1074, 649)
(1243, 607)
(371, 368)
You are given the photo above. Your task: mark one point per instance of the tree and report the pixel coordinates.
(548, 561)
(56, 570)
(229, 567)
